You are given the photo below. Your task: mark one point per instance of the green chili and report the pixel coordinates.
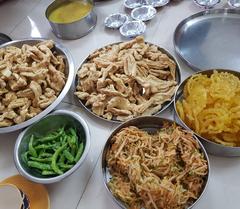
(79, 152)
(68, 155)
(43, 160)
(54, 159)
(32, 151)
(38, 165)
(50, 138)
(48, 173)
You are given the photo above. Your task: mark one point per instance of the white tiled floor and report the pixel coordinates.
(85, 188)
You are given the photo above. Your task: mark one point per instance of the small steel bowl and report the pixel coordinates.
(210, 146)
(115, 20)
(131, 4)
(157, 3)
(234, 3)
(73, 30)
(69, 71)
(150, 124)
(165, 105)
(53, 121)
(143, 13)
(132, 29)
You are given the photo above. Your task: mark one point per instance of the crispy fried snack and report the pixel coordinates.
(165, 170)
(126, 80)
(31, 78)
(211, 107)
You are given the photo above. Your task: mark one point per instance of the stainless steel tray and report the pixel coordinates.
(165, 105)
(210, 39)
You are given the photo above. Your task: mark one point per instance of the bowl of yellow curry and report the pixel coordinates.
(71, 19)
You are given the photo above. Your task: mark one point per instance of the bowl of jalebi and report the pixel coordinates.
(208, 103)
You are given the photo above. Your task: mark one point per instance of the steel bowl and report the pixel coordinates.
(150, 124)
(210, 146)
(164, 105)
(69, 71)
(53, 121)
(73, 30)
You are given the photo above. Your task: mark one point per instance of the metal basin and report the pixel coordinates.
(73, 30)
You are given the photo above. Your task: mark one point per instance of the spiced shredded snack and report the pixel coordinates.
(164, 170)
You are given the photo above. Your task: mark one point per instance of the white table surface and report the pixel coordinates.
(84, 189)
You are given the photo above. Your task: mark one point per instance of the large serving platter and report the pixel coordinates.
(69, 70)
(210, 39)
(165, 105)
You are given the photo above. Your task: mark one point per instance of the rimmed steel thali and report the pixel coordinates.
(165, 105)
(210, 39)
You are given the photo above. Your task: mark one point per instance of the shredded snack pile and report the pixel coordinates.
(211, 107)
(126, 80)
(165, 170)
(31, 78)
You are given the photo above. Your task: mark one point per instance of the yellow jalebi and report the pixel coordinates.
(211, 107)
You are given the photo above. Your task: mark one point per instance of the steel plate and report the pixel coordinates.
(210, 39)
(69, 69)
(165, 105)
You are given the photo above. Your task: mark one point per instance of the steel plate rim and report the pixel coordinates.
(191, 17)
(164, 107)
(123, 125)
(59, 98)
(183, 124)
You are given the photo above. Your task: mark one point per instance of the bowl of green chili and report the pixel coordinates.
(52, 148)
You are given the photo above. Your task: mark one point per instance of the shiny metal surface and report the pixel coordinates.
(131, 4)
(53, 121)
(4, 38)
(143, 13)
(207, 4)
(210, 146)
(157, 3)
(115, 20)
(69, 75)
(150, 124)
(75, 29)
(210, 39)
(234, 3)
(164, 105)
(132, 29)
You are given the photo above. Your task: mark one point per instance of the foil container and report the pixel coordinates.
(131, 4)
(132, 29)
(157, 3)
(143, 13)
(234, 3)
(115, 20)
(207, 4)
